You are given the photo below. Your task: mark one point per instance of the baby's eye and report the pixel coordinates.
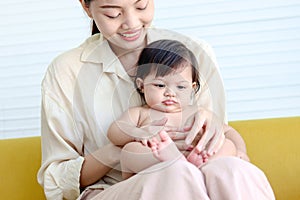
(181, 87)
(159, 85)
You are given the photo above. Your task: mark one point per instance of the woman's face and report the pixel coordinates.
(122, 22)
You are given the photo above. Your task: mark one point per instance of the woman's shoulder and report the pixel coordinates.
(72, 60)
(74, 54)
(65, 66)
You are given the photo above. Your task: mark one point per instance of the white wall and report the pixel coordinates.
(257, 44)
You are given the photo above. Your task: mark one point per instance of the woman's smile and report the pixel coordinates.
(131, 35)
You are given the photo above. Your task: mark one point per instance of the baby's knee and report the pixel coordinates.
(134, 151)
(136, 157)
(133, 147)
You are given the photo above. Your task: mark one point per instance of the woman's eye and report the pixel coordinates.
(159, 85)
(143, 7)
(113, 16)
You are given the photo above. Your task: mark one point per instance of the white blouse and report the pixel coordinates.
(84, 90)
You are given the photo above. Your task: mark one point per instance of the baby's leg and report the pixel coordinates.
(136, 157)
(165, 149)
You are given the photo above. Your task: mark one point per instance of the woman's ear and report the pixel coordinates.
(140, 84)
(86, 8)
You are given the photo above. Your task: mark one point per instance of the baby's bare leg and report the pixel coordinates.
(136, 157)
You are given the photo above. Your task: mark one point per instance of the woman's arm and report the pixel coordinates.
(98, 163)
(64, 170)
(238, 141)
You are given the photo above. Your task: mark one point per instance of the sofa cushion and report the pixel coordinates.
(274, 146)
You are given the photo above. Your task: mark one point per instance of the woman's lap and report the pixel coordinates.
(221, 178)
(233, 178)
(167, 180)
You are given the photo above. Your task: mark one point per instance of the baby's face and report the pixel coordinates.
(170, 93)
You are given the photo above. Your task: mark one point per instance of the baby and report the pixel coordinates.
(167, 80)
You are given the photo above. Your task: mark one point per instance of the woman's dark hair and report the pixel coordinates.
(94, 26)
(165, 57)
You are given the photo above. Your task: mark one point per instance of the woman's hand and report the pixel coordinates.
(178, 135)
(207, 124)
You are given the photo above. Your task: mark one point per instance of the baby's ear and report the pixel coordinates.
(194, 85)
(140, 84)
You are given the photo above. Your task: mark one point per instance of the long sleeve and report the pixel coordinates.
(61, 180)
(61, 162)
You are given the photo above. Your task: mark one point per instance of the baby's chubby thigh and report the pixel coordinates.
(136, 157)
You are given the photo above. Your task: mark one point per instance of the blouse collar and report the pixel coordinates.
(97, 50)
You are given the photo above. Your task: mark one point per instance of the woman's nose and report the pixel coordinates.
(131, 21)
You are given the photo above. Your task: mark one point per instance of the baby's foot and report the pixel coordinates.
(198, 159)
(165, 149)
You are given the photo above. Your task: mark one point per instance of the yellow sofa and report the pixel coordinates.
(273, 145)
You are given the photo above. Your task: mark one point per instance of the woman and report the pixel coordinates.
(88, 87)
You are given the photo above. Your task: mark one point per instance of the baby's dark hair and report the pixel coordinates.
(165, 57)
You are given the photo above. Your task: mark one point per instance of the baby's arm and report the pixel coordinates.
(127, 128)
(121, 131)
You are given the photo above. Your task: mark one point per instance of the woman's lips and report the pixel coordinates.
(131, 35)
